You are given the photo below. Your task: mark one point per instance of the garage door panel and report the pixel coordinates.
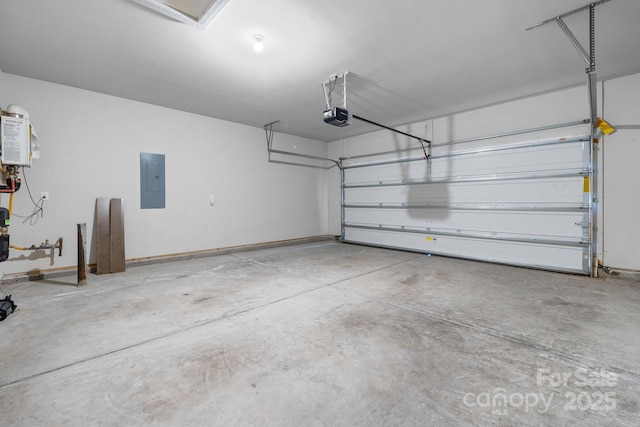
(549, 257)
(560, 225)
(568, 191)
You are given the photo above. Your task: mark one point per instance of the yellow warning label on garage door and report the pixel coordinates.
(586, 184)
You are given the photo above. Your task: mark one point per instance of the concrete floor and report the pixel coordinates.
(322, 334)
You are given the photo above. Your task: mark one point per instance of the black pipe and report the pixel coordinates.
(391, 129)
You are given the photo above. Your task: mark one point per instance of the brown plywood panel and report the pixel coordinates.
(103, 252)
(116, 235)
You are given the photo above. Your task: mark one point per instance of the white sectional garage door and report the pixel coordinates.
(522, 199)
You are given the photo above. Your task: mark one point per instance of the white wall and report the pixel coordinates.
(90, 147)
(620, 195)
(620, 153)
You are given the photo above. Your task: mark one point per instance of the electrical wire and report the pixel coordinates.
(38, 211)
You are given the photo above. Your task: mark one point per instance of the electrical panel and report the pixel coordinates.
(152, 181)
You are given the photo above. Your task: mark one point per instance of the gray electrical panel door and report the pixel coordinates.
(152, 181)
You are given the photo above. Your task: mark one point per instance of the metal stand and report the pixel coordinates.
(329, 85)
(268, 128)
(590, 59)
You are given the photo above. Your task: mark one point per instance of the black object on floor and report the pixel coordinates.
(6, 307)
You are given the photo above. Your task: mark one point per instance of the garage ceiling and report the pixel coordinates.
(409, 59)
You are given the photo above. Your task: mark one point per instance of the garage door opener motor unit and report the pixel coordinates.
(337, 116)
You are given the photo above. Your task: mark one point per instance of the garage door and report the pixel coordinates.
(521, 198)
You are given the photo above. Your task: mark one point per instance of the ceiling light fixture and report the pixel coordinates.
(258, 42)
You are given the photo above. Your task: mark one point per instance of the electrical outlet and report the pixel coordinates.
(44, 195)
